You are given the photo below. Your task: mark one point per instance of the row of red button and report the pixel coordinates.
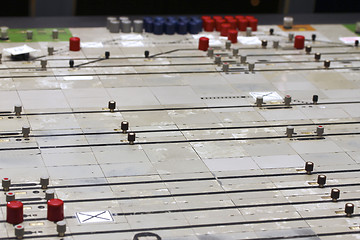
(234, 22)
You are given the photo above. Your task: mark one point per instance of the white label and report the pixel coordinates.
(19, 50)
(267, 96)
(91, 45)
(249, 40)
(349, 40)
(94, 217)
(131, 37)
(78, 78)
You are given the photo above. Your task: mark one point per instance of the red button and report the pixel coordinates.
(224, 29)
(227, 18)
(233, 23)
(239, 17)
(209, 25)
(203, 43)
(218, 23)
(217, 17)
(249, 17)
(243, 24)
(74, 43)
(14, 212)
(203, 18)
(55, 211)
(299, 42)
(253, 22)
(232, 35)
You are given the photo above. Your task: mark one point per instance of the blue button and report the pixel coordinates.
(158, 28)
(170, 27)
(193, 27)
(159, 19)
(148, 24)
(182, 27)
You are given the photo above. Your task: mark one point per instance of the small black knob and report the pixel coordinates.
(131, 137)
(146, 53)
(356, 43)
(315, 98)
(308, 49)
(271, 31)
(335, 194)
(321, 180)
(313, 37)
(349, 209)
(264, 43)
(112, 105)
(107, 54)
(309, 167)
(71, 63)
(317, 56)
(124, 126)
(327, 63)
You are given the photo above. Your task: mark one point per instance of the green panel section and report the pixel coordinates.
(351, 27)
(39, 35)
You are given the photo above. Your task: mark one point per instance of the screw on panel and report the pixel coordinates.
(259, 101)
(313, 37)
(315, 99)
(289, 131)
(71, 63)
(287, 100)
(317, 56)
(271, 31)
(335, 194)
(124, 126)
(210, 52)
(349, 209)
(251, 66)
(146, 54)
(308, 49)
(61, 228)
(10, 196)
(227, 44)
(107, 55)
(112, 105)
(55, 34)
(319, 131)
(309, 167)
(43, 64)
(6, 183)
(50, 50)
(275, 44)
(25, 131)
(19, 231)
(44, 182)
(264, 43)
(217, 59)
(17, 110)
(235, 52)
(131, 138)
(248, 31)
(326, 64)
(291, 37)
(321, 180)
(49, 194)
(243, 59)
(225, 67)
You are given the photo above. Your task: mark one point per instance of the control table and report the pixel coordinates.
(159, 129)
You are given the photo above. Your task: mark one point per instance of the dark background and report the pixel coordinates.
(168, 7)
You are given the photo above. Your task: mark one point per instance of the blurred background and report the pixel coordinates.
(42, 8)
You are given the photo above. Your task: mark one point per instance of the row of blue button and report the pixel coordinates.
(172, 25)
